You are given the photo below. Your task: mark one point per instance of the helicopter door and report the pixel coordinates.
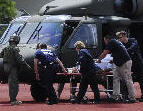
(87, 33)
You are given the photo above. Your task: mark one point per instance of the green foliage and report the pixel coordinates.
(2, 29)
(7, 11)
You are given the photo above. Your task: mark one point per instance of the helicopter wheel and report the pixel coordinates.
(38, 92)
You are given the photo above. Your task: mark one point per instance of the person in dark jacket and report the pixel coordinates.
(122, 70)
(88, 70)
(133, 49)
(49, 62)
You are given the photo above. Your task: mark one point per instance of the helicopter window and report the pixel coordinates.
(27, 32)
(49, 33)
(68, 30)
(87, 33)
(13, 29)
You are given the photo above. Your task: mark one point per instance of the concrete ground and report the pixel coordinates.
(30, 105)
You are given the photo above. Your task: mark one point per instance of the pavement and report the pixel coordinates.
(30, 105)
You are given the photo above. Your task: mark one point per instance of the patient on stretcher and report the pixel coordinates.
(105, 66)
(106, 63)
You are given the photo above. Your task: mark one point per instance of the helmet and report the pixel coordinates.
(14, 39)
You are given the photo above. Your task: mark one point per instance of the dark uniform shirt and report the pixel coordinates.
(119, 52)
(45, 56)
(86, 61)
(134, 51)
(47, 73)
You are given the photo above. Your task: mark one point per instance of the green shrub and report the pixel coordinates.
(7, 11)
(2, 29)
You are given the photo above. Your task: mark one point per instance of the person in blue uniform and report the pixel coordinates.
(133, 49)
(49, 63)
(88, 70)
(122, 70)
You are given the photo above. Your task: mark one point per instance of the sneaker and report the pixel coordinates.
(114, 100)
(72, 97)
(85, 100)
(141, 99)
(130, 101)
(51, 102)
(75, 101)
(16, 103)
(96, 102)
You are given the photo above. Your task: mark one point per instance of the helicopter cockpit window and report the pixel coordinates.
(27, 32)
(49, 33)
(86, 33)
(14, 28)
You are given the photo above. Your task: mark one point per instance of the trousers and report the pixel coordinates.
(49, 76)
(13, 82)
(123, 73)
(85, 81)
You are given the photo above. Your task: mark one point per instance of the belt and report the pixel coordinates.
(45, 67)
(53, 62)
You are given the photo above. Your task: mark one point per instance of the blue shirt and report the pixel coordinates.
(45, 56)
(86, 61)
(119, 52)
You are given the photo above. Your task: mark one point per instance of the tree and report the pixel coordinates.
(2, 29)
(7, 11)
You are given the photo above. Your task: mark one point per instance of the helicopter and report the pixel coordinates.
(60, 26)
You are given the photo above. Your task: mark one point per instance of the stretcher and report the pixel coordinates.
(76, 77)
